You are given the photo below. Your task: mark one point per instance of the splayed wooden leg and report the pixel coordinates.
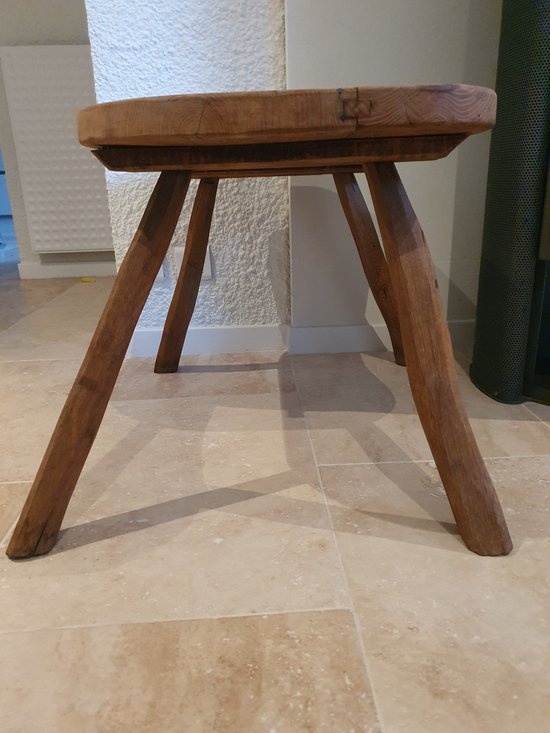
(73, 437)
(371, 255)
(431, 369)
(187, 288)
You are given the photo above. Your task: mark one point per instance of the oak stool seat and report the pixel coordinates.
(299, 132)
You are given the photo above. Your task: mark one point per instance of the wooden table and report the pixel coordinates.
(335, 131)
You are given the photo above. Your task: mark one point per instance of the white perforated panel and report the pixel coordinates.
(63, 185)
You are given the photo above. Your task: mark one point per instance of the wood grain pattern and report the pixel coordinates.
(187, 288)
(371, 255)
(37, 529)
(432, 109)
(431, 369)
(226, 161)
(285, 116)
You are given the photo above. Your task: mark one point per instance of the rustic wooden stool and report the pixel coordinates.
(213, 136)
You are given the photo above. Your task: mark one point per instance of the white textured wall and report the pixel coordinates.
(140, 48)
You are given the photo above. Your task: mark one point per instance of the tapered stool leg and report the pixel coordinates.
(371, 255)
(187, 288)
(39, 524)
(431, 370)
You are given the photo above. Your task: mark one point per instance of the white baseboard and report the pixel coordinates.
(235, 339)
(214, 340)
(311, 340)
(39, 270)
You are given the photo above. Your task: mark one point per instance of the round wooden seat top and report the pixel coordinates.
(288, 116)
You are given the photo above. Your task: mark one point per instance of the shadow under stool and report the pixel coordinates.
(336, 131)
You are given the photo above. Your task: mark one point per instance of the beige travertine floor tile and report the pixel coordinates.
(206, 504)
(61, 329)
(11, 499)
(187, 507)
(455, 642)
(503, 430)
(360, 410)
(18, 297)
(248, 373)
(292, 673)
(33, 394)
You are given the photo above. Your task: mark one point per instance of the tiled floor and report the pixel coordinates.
(261, 543)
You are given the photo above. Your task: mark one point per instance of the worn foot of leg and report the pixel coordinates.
(431, 369)
(371, 255)
(187, 287)
(38, 526)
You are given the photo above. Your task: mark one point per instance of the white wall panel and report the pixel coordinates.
(63, 186)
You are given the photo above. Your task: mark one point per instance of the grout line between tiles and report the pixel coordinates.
(429, 461)
(46, 359)
(535, 415)
(203, 396)
(259, 614)
(357, 623)
(376, 463)
(345, 464)
(79, 358)
(521, 456)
